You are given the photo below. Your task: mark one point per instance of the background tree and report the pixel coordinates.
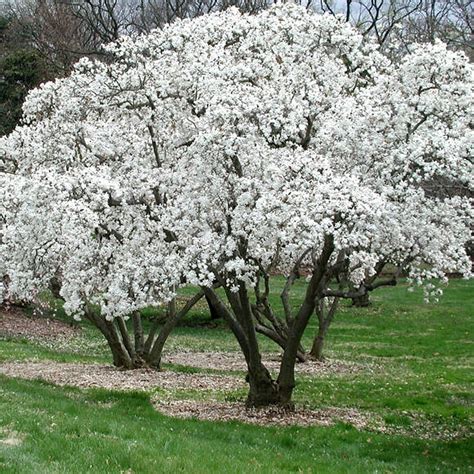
(60, 32)
(450, 21)
(21, 69)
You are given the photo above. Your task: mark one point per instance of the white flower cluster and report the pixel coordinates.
(229, 143)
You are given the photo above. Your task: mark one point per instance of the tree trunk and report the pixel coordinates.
(361, 301)
(214, 312)
(263, 390)
(325, 318)
(316, 352)
(134, 353)
(154, 356)
(234, 326)
(286, 377)
(122, 358)
(138, 333)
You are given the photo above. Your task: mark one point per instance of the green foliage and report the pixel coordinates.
(21, 69)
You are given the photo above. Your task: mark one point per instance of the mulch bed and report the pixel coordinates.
(235, 361)
(269, 416)
(109, 377)
(15, 323)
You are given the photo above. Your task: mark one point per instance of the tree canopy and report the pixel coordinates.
(224, 148)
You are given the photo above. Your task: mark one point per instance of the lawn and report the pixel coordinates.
(414, 380)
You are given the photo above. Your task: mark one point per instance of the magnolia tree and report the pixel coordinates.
(65, 232)
(79, 220)
(222, 149)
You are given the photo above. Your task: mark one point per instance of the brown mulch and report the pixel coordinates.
(103, 376)
(15, 323)
(109, 377)
(235, 361)
(270, 416)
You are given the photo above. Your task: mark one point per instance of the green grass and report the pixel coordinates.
(418, 382)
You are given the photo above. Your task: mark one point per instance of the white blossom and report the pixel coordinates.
(231, 142)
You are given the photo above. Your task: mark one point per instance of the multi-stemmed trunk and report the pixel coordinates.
(278, 329)
(139, 351)
(266, 323)
(264, 390)
(313, 296)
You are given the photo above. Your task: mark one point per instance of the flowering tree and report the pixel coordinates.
(65, 233)
(222, 149)
(79, 220)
